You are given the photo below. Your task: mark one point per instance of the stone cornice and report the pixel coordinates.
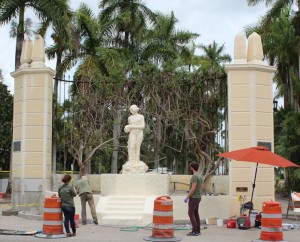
(252, 67)
(34, 71)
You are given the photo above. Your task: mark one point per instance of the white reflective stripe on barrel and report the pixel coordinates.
(167, 203)
(52, 210)
(267, 215)
(163, 214)
(163, 226)
(267, 229)
(49, 222)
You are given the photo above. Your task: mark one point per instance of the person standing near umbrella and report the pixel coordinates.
(194, 198)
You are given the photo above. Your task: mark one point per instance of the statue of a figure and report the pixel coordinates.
(136, 124)
(135, 127)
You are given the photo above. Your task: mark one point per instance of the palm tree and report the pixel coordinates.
(277, 6)
(28, 31)
(62, 47)
(165, 45)
(213, 57)
(98, 61)
(56, 12)
(280, 49)
(164, 49)
(287, 143)
(126, 20)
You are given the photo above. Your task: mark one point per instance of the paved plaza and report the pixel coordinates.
(91, 232)
(102, 233)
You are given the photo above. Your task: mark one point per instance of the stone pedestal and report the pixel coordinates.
(129, 199)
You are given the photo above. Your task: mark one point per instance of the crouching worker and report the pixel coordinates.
(85, 192)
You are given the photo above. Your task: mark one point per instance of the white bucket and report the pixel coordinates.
(220, 222)
(252, 218)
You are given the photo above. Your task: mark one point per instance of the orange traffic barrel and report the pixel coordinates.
(76, 218)
(53, 222)
(271, 222)
(163, 228)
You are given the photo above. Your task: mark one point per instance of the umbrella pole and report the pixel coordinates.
(253, 185)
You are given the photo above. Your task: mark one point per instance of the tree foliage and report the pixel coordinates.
(6, 118)
(127, 55)
(56, 12)
(280, 33)
(287, 144)
(130, 55)
(279, 30)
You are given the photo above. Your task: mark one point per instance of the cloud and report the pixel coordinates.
(213, 20)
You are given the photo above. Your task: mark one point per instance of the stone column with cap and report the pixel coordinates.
(250, 119)
(32, 125)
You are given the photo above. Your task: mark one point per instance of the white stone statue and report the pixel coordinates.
(135, 127)
(136, 124)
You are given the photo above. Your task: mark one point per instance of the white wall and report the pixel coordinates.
(215, 184)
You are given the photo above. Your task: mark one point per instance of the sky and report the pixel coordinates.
(217, 20)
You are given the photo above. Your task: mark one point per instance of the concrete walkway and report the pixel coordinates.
(91, 232)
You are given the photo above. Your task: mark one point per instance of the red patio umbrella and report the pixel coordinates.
(258, 154)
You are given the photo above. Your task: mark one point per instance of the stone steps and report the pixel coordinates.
(123, 210)
(131, 209)
(121, 220)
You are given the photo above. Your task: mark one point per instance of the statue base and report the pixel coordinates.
(134, 167)
(128, 200)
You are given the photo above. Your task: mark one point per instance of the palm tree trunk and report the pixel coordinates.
(291, 89)
(54, 112)
(20, 37)
(158, 142)
(116, 141)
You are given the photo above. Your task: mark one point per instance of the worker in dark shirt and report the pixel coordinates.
(67, 193)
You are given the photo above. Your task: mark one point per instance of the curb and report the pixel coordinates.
(10, 212)
(25, 215)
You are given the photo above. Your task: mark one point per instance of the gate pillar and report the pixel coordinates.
(32, 126)
(250, 119)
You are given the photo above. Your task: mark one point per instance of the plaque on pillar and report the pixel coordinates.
(17, 146)
(265, 144)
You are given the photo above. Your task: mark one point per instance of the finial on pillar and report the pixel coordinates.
(255, 53)
(26, 54)
(38, 53)
(240, 56)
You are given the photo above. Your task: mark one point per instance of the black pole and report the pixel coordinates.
(253, 186)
